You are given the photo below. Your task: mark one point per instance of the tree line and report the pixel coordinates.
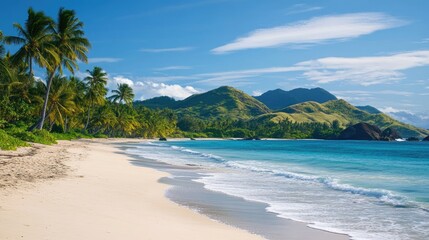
(62, 102)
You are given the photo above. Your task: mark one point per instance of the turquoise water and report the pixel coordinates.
(369, 190)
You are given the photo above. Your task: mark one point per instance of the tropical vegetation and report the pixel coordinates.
(62, 106)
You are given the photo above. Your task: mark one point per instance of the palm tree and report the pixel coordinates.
(61, 100)
(123, 93)
(96, 89)
(71, 45)
(35, 39)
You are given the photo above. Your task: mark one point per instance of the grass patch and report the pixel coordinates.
(8, 142)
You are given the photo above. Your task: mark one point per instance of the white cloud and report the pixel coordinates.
(257, 93)
(104, 60)
(122, 80)
(302, 8)
(314, 31)
(392, 110)
(162, 50)
(363, 70)
(173, 68)
(149, 89)
(81, 75)
(416, 119)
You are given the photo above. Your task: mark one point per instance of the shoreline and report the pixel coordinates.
(53, 207)
(102, 197)
(196, 199)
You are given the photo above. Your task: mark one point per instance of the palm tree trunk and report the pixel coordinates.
(30, 64)
(66, 123)
(45, 103)
(88, 116)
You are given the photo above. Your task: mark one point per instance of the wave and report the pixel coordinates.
(200, 154)
(385, 196)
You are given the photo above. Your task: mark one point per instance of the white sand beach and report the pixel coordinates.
(101, 197)
(88, 189)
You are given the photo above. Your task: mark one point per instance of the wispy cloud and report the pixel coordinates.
(359, 71)
(169, 68)
(372, 93)
(425, 40)
(163, 50)
(301, 8)
(104, 60)
(363, 70)
(314, 31)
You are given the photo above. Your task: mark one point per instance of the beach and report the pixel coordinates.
(96, 195)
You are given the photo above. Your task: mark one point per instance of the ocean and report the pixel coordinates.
(368, 190)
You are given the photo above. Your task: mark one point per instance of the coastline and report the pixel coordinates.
(103, 197)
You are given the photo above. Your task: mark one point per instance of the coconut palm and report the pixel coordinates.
(35, 38)
(71, 45)
(61, 101)
(96, 89)
(124, 93)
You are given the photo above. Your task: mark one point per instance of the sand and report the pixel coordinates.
(88, 190)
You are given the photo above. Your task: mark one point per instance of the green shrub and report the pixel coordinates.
(8, 142)
(36, 136)
(64, 136)
(100, 135)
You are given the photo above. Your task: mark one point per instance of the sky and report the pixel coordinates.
(366, 52)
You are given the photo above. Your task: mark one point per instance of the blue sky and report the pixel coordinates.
(367, 52)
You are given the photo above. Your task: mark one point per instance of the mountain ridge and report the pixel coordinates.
(228, 102)
(278, 98)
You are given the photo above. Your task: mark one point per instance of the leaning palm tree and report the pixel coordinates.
(61, 100)
(71, 46)
(96, 89)
(35, 38)
(124, 93)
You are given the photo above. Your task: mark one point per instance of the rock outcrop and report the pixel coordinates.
(390, 134)
(426, 138)
(361, 131)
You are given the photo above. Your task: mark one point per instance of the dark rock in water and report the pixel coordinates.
(193, 139)
(426, 138)
(361, 131)
(390, 134)
(413, 139)
(163, 139)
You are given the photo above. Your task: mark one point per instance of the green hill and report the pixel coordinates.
(158, 102)
(221, 102)
(278, 98)
(369, 109)
(230, 103)
(341, 111)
